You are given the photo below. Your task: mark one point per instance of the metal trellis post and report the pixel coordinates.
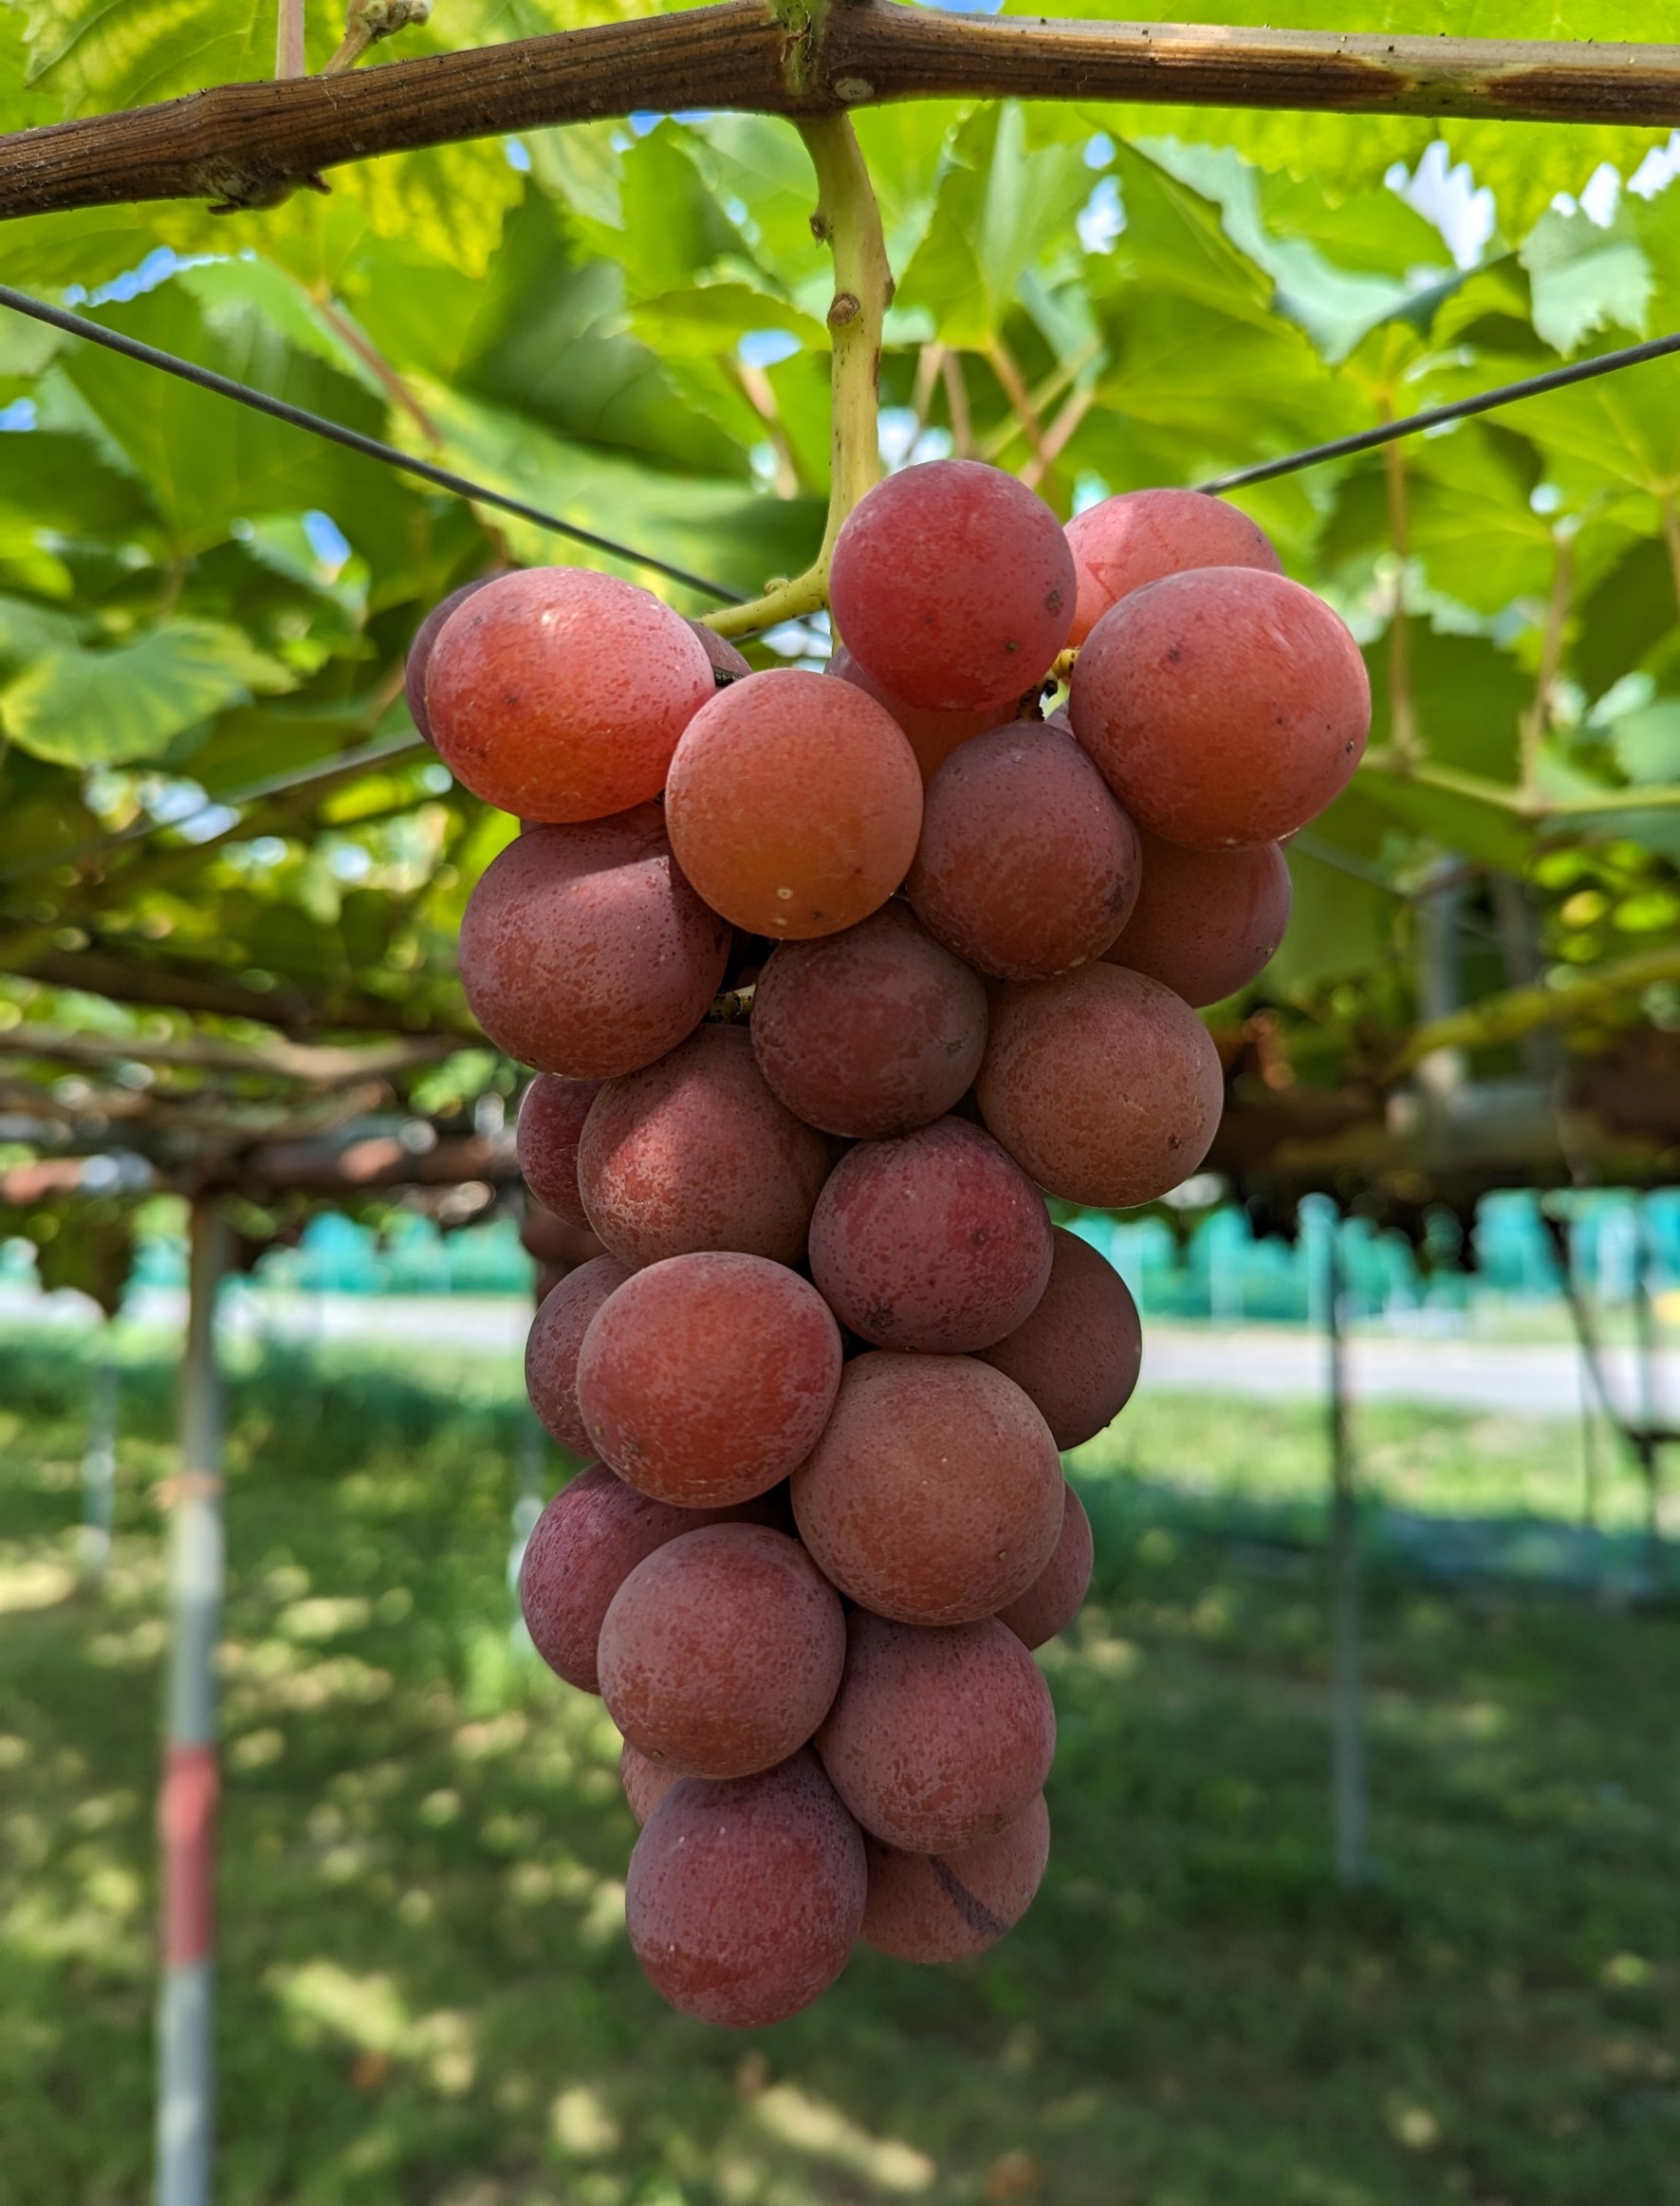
(1648, 1434)
(186, 2010)
(98, 1460)
(1347, 1747)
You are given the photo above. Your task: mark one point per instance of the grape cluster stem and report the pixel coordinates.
(848, 221)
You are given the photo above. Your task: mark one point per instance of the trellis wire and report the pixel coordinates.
(463, 487)
(1582, 371)
(351, 440)
(1263, 472)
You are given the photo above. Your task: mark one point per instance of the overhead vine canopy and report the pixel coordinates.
(623, 322)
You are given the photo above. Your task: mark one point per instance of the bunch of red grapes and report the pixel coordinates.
(828, 979)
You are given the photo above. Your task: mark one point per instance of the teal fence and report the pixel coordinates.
(1217, 1271)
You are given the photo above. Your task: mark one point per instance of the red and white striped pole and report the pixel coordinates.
(186, 1819)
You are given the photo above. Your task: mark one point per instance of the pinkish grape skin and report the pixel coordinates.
(744, 1898)
(933, 735)
(1078, 1356)
(934, 1495)
(559, 693)
(419, 653)
(551, 1115)
(645, 1782)
(1057, 1594)
(1103, 1085)
(583, 951)
(725, 658)
(954, 585)
(722, 1651)
(1207, 922)
(1225, 706)
(696, 1152)
(1127, 542)
(706, 1379)
(932, 1908)
(936, 1240)
(1026, 866)
(794, 804)
(871, 1032)
(937, 1738)
(556, 1336)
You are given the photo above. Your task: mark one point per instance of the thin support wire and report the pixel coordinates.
(461, 485)
(1265, 470)
(351, 440)
(1580, 371)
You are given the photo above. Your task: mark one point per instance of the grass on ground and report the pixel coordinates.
(1438, 1461)
(426, 1995)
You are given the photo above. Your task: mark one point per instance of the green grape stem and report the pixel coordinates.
(848, 221)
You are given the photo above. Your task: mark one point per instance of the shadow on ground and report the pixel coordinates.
(426, 1995)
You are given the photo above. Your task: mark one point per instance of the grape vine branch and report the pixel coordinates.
(243, 144)
(848, 220)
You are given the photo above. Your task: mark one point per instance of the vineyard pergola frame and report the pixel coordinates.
(816, 62)
(813, 62)
(247, 144)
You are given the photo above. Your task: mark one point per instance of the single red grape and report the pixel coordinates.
(559, 693)
(954, 585)
(1129, 541)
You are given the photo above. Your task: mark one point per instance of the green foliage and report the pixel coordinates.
(103, 708)
(1002, 208)
(624, 324)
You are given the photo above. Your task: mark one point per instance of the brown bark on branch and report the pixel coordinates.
(181, 986)
(313, 1067)
(247, 144)
(326, 1168)
(346, 1168)
(1605, 990)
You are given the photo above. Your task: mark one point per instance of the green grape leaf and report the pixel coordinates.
(1646, 742)
(1382, 249)
(86, 245)
(210, 463)
(546, 336)
(29, 631)
(712, 528)
(26, 347)
(1166, 414)
(713, 319)
(1471, 520)
(581, 165)
(673, 230)
(21, 107)
(1003, 205)
(448, 201)
(227, 289)
(1467, 697)
(60, 484)
(86, 708)
(1485, 833)
(1525, 165)
(1624, 617)
(1584, 278)
(93, 57)
(1341, 917)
